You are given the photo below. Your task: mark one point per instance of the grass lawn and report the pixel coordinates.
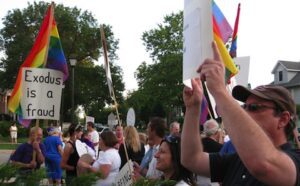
(6, 145)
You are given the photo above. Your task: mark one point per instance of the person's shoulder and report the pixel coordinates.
(23, 147)
(295, 154)
(112, 152)
(95, 132)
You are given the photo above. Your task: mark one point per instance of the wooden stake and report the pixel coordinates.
(103, 40)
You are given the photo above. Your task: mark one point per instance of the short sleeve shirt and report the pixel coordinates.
(51, 144)
(230, 170)
(24, 153)
(95, 138)
(109, 157)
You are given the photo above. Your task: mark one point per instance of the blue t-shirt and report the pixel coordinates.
(51, 143)
(24, 153)
(227, 148)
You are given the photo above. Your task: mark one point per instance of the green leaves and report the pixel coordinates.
(160, 84)
(167, 39)
(7, 171)
(85, 179)
(80, 37)
(150, 182)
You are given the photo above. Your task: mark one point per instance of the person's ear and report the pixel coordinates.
(284, 119)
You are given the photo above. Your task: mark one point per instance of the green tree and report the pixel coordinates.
(80, 37)
(91, 90)
(160, 83)
(167, 39)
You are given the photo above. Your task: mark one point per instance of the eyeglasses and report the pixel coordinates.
(172, 139)
(254, 107)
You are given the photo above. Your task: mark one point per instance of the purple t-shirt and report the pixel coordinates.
(24, 153)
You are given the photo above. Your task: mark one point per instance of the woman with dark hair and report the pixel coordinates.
(109, 160)
(70, 156)
(168, 161)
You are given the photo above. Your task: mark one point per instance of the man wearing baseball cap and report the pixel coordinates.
(259, 131)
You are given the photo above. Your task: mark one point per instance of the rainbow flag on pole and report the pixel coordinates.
(204, 110)
(221, 29)
(234, 35)
(46, 52)
(224, 27)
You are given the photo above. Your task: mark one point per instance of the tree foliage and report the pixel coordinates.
(80, 37)
(91, 90)
(160, 83)
(166, 40)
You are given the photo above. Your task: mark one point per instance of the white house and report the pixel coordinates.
(287, 74)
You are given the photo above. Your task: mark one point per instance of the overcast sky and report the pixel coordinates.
(268, 31)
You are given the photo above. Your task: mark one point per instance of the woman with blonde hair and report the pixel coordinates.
(135, 148)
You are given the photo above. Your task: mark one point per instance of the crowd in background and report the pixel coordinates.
(154, 153)
(251, 146)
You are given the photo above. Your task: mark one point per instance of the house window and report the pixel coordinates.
(280, 75)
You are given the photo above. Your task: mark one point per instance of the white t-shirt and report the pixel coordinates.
(205, 181)
(152, 172)
(95, 139)
(108, 157)
(181, 183)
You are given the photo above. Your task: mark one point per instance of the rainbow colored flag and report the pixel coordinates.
(204, 110)
(46, 52)
(234, 35)
(224, 27)
(220, 32)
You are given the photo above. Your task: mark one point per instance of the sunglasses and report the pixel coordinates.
(254, 107)
(172, 139)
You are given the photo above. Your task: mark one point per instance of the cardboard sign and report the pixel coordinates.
(243, 64)
(197, 36)
(130, 117)
(83, 148)
(111, 120)
(88, 119)
(124, 177)
(41, 93)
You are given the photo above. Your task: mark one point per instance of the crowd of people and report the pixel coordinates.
(254, 150)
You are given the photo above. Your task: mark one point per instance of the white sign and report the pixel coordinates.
(124, 178)
(130, 117)
(41, 93)
(243, 64)
(111, 120)
(197, 36)
(83, 148)
(89, 119)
